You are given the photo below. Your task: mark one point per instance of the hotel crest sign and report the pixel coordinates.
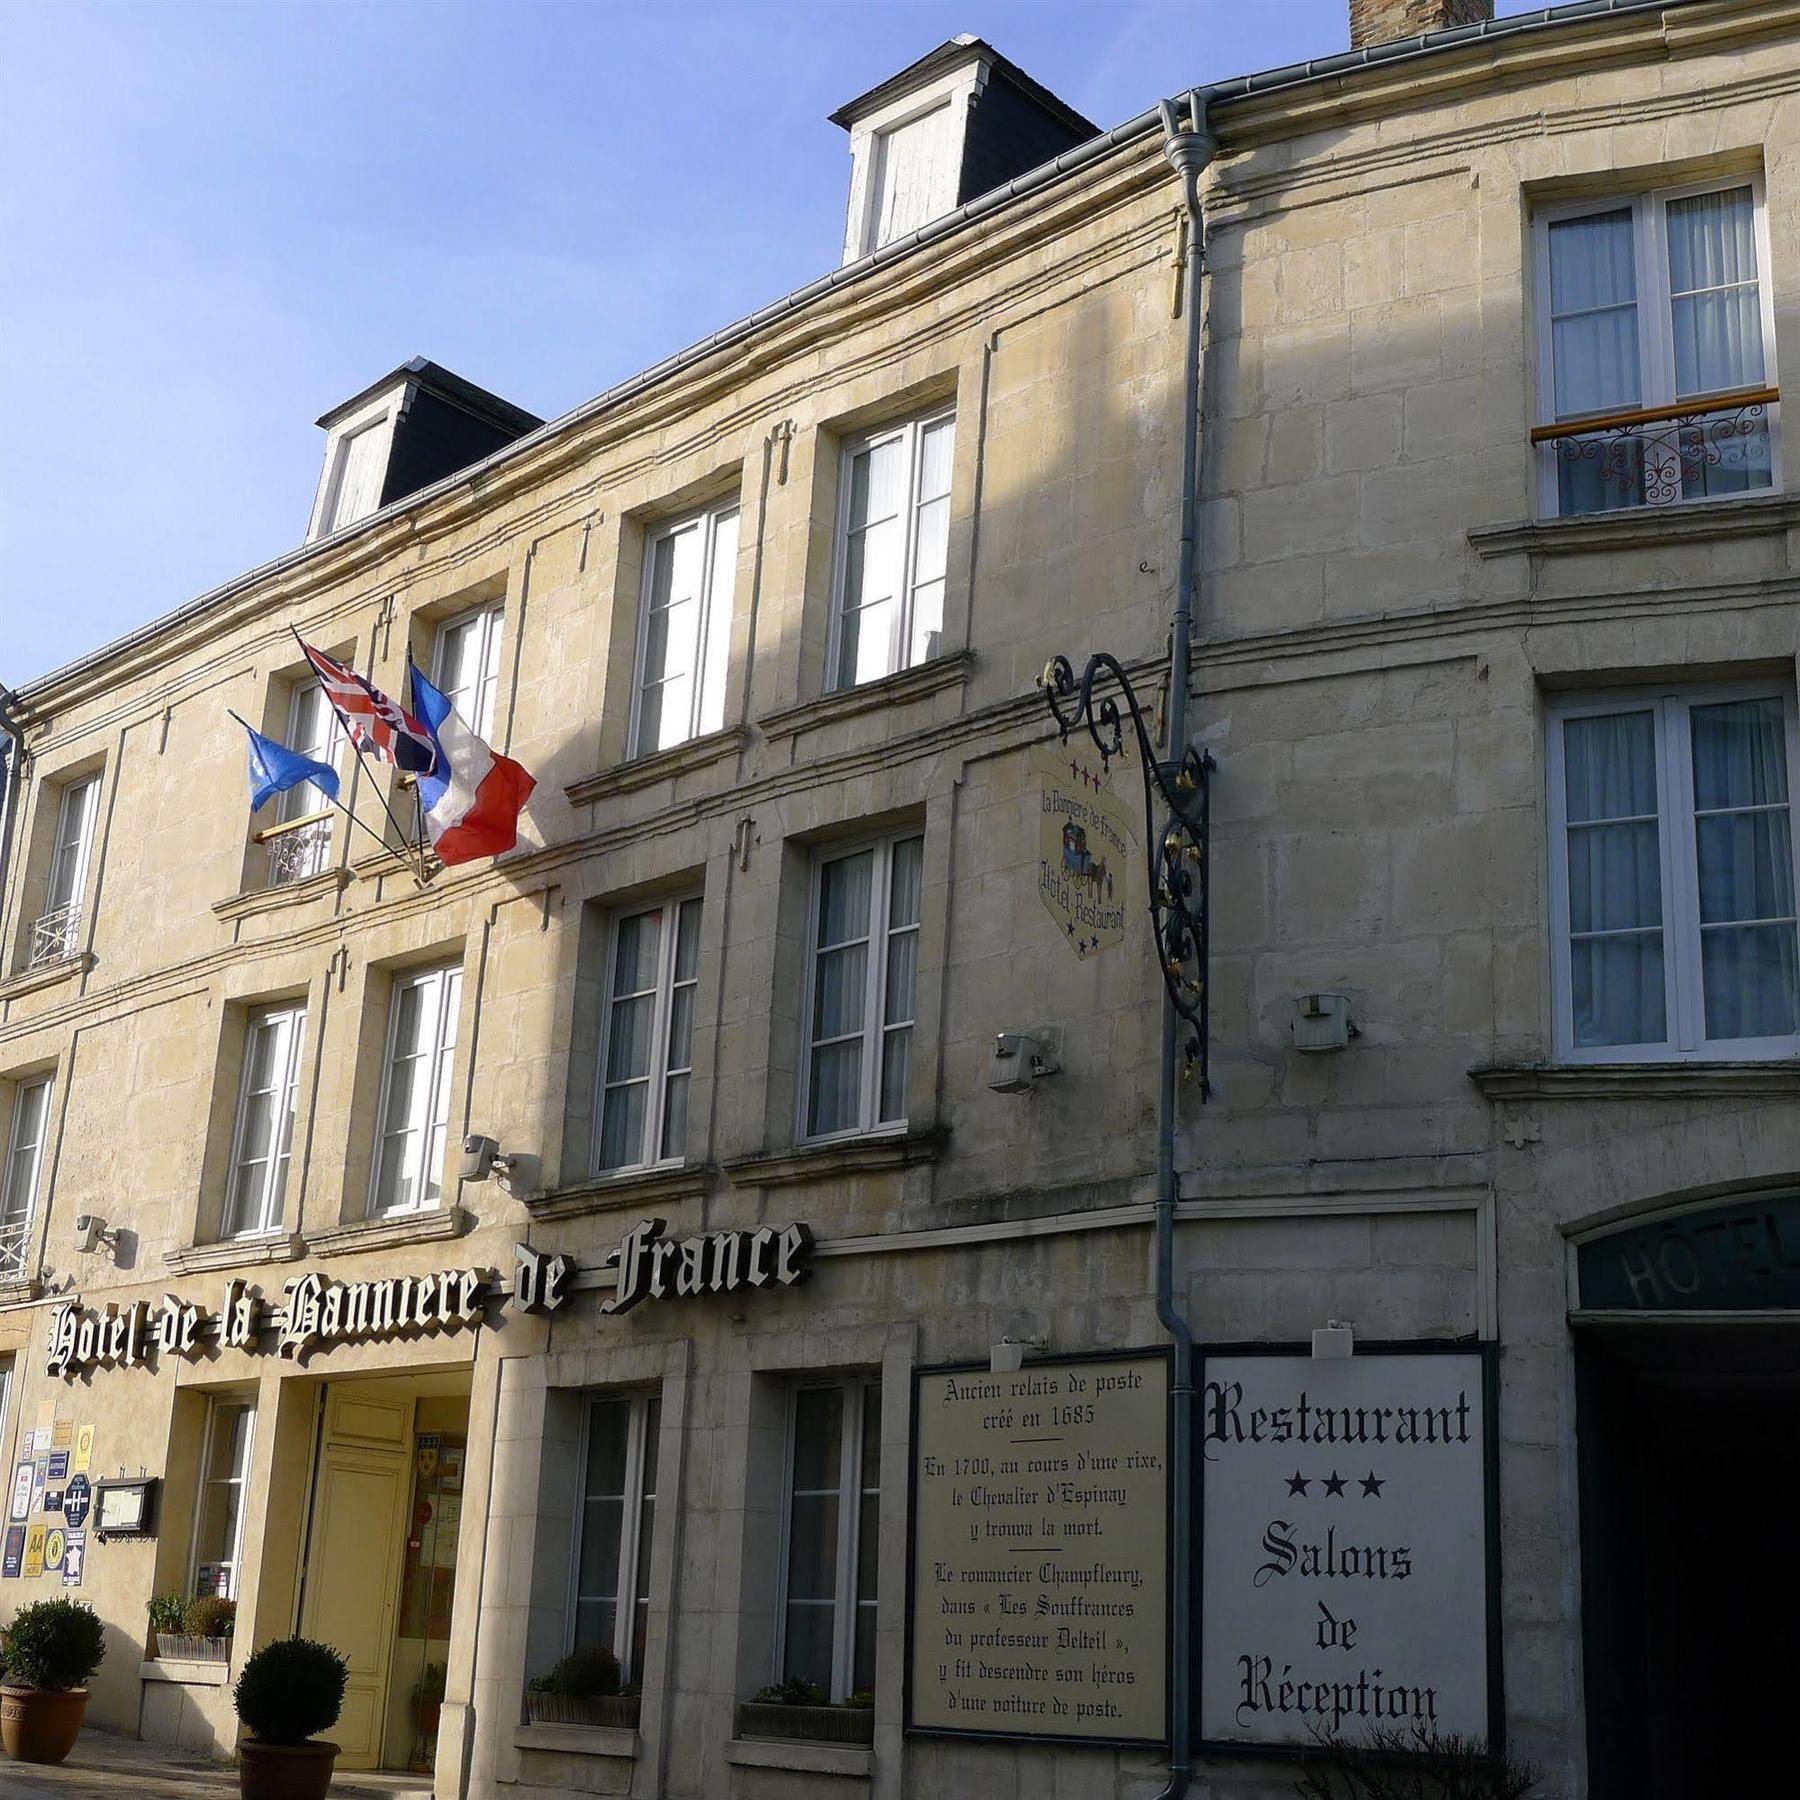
(317, 1312)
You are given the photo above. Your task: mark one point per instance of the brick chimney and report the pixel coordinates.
(1381, 21)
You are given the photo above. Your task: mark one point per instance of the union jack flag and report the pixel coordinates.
(377, 724)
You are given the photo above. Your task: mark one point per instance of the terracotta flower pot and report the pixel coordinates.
(426, 1714)
(39, 1725)
(285, 1771)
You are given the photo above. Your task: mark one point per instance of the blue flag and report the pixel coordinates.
(274, 768)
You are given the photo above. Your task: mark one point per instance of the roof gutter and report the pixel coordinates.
(1240, 87)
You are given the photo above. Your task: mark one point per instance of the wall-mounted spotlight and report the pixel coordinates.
(481, 1157)
(1008, 1356)
(1019, 1061)
(91, 1231)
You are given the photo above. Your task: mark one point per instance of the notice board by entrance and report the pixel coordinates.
(1349, 1533)
(1038, 1566)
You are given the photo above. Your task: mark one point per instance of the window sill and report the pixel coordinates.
(799, 1755)
(43, 975)
(235, 1253)
(423, 1227)
(869, 696)
(617, 1193)
(186, 1674)
(1639, 1081)
(665, 765)
(286, 893)
(828, 1162)
(1640, 527)
(579, 1740)
(19, 1290)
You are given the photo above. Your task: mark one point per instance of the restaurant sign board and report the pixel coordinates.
(1038, 1600)
(1348, 1546)
(1089, 866)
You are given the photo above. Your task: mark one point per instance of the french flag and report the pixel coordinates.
(473, 798)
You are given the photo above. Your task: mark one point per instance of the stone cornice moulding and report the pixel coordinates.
(428, 1225)
(632, 1191)
(1695, 1081)
(871, 1155)
(664, 765)
(235, 1253)
(1640, 527)
(904, 685)
(327, 883)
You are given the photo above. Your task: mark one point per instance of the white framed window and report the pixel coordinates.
(26, 1136)
(415, 1090)
(684, 630)
(609, 1603)
(1673, 874)
(219, 1509)
(6, 1369)
(647, 1048)
(831, 1538)
(861, 986)
(1656, 304)
(57, 932)
(312, 730)
(263, 1135)
(466, 666)
(893, 537)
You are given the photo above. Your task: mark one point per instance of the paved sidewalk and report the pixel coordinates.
(105, 1767)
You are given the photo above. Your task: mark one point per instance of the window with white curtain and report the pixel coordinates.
(684, 630)
(893, 541)
(263, 1137)
(610, 1603)
(26, 1134)
(415, 1090)
(312, 730)
(57, 931)
(224, 1479)
(1653, 304)
(647, 1055)
(466, 668)
(831, 1538)
(1673, 874)
(862, 981)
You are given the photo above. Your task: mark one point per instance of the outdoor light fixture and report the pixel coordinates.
(1323, 1022)
(481, 1157)
(91, 1230)
(1019, 1061)
(1333, 1340)
(1008, 1356)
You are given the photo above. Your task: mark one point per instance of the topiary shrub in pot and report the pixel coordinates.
(52, 1648)
(289, 1690)
(582, 1689)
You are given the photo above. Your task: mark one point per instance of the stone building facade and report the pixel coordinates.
(780, 895)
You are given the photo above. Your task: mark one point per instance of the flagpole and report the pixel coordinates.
(348, 814)
(418, 798)
(337, 713)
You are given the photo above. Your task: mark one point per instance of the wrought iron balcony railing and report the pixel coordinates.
(12, 1249)
(56, 935)
(298, 848)
(1711, 445)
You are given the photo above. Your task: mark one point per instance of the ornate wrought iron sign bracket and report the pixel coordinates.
(1177, 849)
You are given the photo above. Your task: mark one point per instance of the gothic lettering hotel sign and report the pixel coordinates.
(317, 1312)
(1038, 1596)
(1348, 1540)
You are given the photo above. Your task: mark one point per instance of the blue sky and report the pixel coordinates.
(216, 221)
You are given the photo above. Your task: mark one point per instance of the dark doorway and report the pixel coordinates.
(1689, 1444)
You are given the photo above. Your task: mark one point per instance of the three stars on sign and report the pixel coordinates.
(1334, 1484)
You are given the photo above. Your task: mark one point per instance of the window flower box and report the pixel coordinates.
(619, 1711)
(178, 1646)
(815, 1724)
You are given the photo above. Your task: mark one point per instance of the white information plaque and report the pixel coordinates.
(1345, 1560)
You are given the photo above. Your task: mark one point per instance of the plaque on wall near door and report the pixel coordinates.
(1038, 1602)
(1349, 1547)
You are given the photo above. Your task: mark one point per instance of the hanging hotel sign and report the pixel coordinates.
(317, 1312)
(1089, 865)
(1038, 1602)
(1349, 1544)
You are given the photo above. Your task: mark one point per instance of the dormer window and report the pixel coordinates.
(958, 123)
(359, 461)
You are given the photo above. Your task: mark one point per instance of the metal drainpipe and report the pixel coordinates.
(1189, 150)
(13, 777)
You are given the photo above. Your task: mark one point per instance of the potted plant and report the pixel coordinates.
(52, 1648)
(289, 1690)
(165, 1612)
(582, 1689)
(203, 1633)
(797, 1708)
(428, 1700)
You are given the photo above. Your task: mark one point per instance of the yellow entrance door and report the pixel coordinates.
(356, 1550)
